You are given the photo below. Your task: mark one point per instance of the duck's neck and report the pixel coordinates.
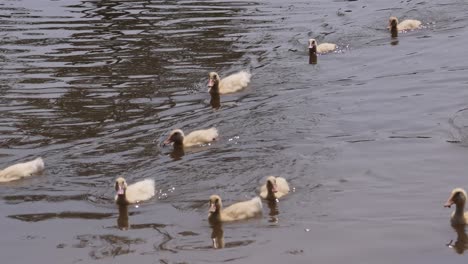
(215, 217)
(122, 199)
(313, 50)
(215, 88)
(179, 144)
(271, 195)
(459, 210)
(394, 31)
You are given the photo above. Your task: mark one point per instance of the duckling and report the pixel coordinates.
(230, 84)
(22, 170)
(129, 194)
(458, 197)
(274, 188)
(314, 48)
(196, 137)
(407, 24)
(234, 212)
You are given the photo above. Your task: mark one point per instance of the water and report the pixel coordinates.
(372, 138)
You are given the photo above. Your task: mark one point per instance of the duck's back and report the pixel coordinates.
(282, 186)
(22, 170)
(140, 191)
(326, 47)
(234, 82)
(409, 24)
(201, 137)
(243, 210)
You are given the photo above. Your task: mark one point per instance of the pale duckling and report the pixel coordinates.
(274, 188)
(234, 212)
(197, 137)
(129, 194)
(230, 84)
(407, 24)
(314, 48)
(22, 170)
(458, 197)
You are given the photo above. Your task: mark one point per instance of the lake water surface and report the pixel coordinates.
(372, 138)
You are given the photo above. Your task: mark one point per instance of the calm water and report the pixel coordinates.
(372, 138)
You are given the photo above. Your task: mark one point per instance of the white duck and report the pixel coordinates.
(458, 197)
(21, 170)
(322, 48)
(274, 188)
(234, 212)
(407, 24)
(129, 194)
(196, 137)
(230, 84)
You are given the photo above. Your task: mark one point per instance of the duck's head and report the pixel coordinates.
(176, 136)
(215, 203)
(457, 197)
(313, 45)
(213, 80)
(392, 22)
(120, 186)
(271, 184)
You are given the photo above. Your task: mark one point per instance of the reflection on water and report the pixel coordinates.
(104, 246)
(177, 152)
(461, 243)
(122, 220)
(274, 211)
(215, 101)
(63, 215)
(312, 57)
(217, 235)
(89, 84)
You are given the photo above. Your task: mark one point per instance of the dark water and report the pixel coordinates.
(372, 138)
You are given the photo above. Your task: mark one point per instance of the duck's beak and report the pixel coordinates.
(121, 190)
(212, 208)
(310, 46)
(448, 203)
(210, 83)
(275, 188)
(168, 141)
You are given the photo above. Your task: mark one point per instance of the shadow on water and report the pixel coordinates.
(104, 246)
(461, 243)
(62, 215)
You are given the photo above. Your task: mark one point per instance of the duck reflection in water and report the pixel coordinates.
(177, 153)
(274, 212)
(312, 57)
(217, 235)
(215, 101)
(461, 244)
(122, 220)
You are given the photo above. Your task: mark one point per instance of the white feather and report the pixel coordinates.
(242, 210)
(22, 170)
(199, 137)
(140, 191)
(234, 82)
